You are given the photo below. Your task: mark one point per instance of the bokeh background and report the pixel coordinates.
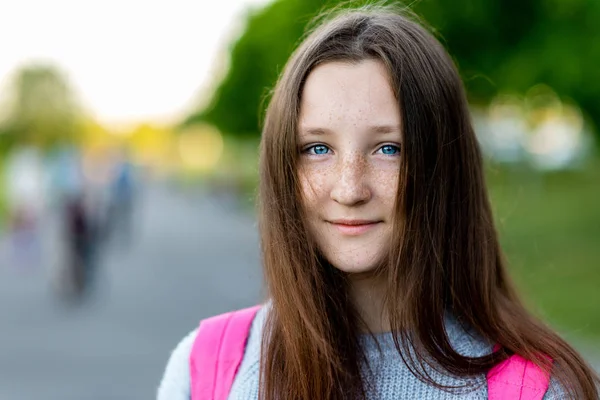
(128, 169)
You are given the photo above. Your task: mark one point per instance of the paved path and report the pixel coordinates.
(193, 258)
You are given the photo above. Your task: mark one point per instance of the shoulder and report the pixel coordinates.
(464, 339)
(468, 342)
(555, 391)
(175, 383)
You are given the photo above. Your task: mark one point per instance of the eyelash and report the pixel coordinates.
(307, 150)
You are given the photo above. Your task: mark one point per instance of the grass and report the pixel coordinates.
(550, 231)
(3, 205)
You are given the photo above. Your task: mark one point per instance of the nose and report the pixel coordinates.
(351, 187)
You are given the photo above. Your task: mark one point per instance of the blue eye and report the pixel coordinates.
(390, 150)
(318, 149)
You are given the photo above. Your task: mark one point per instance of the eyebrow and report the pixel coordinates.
(376, 129)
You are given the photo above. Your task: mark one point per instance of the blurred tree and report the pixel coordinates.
(512, 45)
(499, 45)
(257, 57)
(42, 110)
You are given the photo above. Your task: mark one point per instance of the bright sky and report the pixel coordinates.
(128, 60)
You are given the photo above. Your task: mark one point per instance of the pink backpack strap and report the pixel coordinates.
(517, 379)
(217, 353)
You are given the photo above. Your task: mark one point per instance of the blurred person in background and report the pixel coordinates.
(98, 188)
(77, 205)
(121, 201)
(25, 192)
(80, 244)
(384, 270)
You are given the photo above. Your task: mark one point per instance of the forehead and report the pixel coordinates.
(341, 93)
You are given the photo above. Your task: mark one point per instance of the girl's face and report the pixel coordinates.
(350, 138)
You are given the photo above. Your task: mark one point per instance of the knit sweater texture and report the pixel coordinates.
(387, 375)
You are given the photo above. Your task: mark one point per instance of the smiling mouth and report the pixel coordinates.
(354, 228)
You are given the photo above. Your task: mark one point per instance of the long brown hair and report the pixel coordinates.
(445, 254)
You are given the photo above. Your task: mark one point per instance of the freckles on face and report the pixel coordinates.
(317, 179)
(350, 150)
(312, 180)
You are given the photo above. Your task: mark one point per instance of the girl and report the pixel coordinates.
(384, 272)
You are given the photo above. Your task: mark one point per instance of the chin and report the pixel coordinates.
(353, 265)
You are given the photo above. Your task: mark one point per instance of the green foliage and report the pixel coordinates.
(41, 109)
(499, 46)
(511, 45)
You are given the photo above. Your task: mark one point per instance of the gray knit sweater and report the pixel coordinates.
(387, 374)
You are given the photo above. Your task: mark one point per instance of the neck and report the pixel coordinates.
(367, 295)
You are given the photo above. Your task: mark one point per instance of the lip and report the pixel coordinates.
(353, 227)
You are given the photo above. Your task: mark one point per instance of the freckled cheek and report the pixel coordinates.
(314, 183)
(385, 182)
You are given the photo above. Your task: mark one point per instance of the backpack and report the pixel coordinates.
(219, 348)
